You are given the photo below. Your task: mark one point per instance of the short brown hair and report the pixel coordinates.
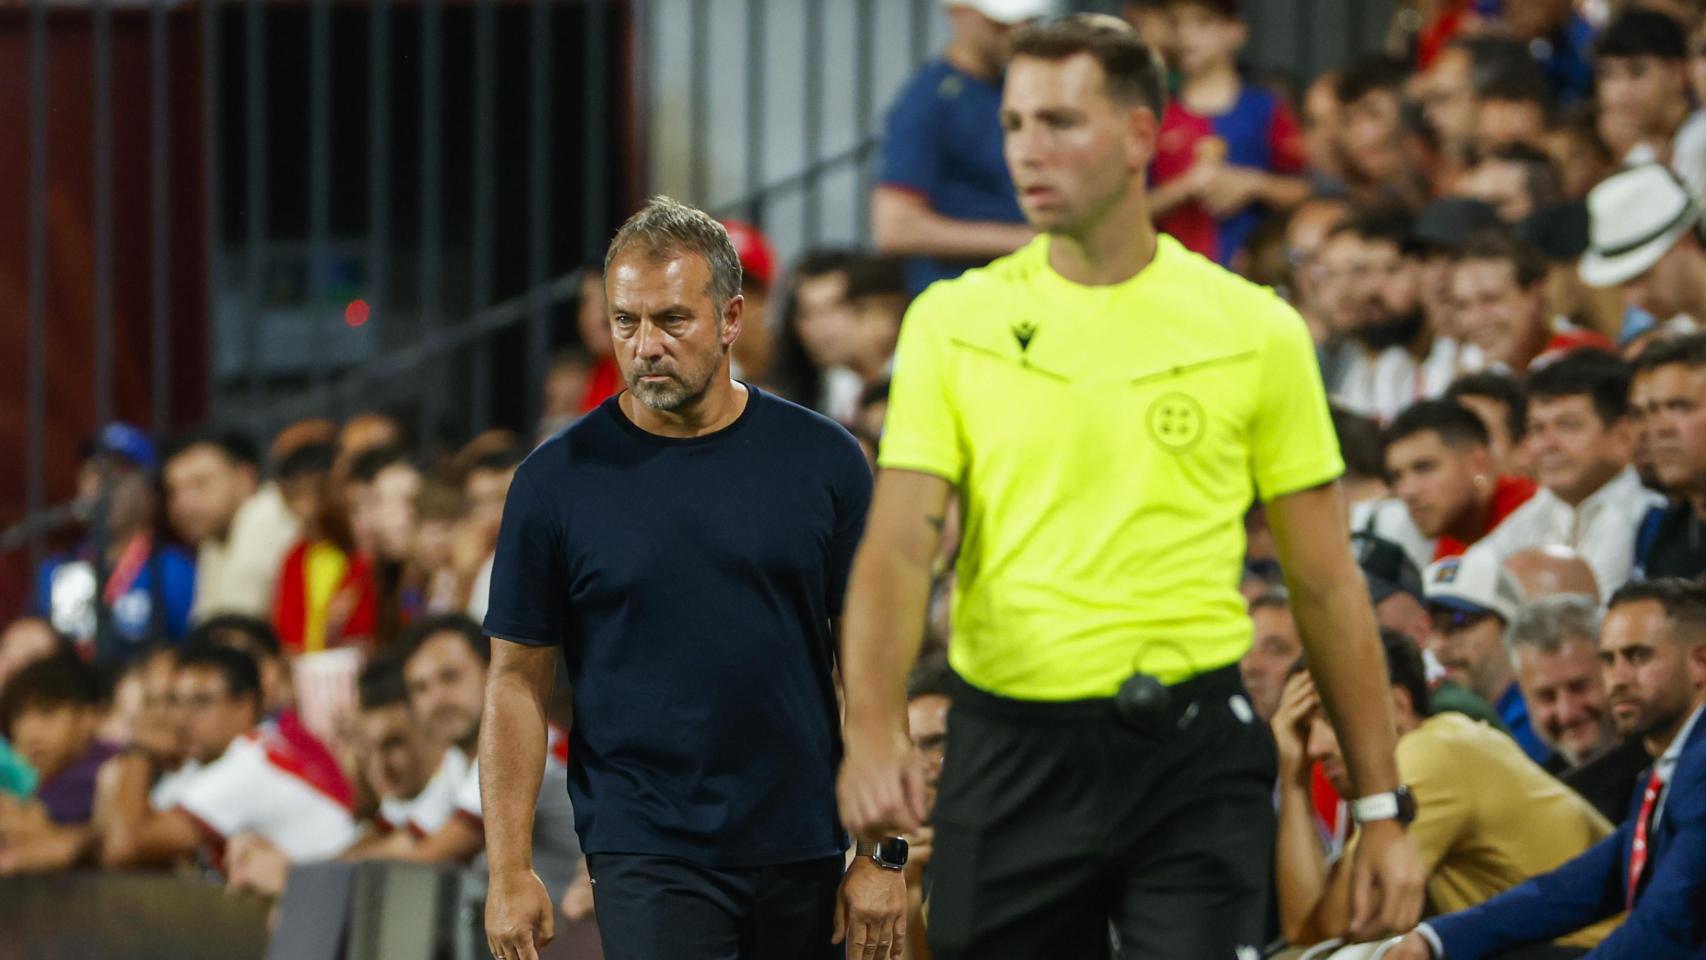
(665, 228)
(1133, 72)
(1526, 262)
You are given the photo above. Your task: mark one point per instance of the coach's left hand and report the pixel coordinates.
(870, 912)
(1387, 882)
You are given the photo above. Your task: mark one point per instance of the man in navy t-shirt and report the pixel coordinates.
(687, 545)
(944, 198)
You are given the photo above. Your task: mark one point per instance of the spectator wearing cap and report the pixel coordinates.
(1471, 600)
(123, 587)
(1486, 818)
(1590, 498)
(944, 197)
(1645, 111)
(751, 355)
(240, 527)
(1437, 455)
(1395, 357)
(1554, 647)
(1672, 375)
(1229, 153)
(1499, 401)
(1647, 239)
(51, 711)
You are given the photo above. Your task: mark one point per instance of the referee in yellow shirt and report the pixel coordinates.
(1106, 404)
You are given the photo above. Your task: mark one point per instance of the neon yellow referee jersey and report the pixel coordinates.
(1106, 443)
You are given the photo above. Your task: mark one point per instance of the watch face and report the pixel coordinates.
(892, 851)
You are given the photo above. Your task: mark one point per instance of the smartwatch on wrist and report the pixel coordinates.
(888, 853)
(1399, 805)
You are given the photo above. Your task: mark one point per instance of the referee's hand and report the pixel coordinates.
(1387, 882)
(520, 919)
(882, 786)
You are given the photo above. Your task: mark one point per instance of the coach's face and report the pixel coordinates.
(672, 338)
(1073, 150)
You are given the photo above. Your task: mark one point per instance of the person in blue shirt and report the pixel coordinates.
(686, 546)
(123, 588)
(944, 198)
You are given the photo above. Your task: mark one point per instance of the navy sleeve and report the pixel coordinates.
(1578, 894)
(527, 585)
(911, 151)
(852, 500)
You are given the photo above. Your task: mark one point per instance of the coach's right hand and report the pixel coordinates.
(882, 784)
(520, 920)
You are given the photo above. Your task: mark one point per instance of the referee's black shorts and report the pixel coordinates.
(1056, 820)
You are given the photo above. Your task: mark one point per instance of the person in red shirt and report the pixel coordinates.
(1441, 467)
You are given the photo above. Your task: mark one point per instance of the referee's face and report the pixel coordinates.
(1073, 151)
(671, 339)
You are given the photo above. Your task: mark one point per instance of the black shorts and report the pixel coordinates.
(662, 908)
(1057, 823)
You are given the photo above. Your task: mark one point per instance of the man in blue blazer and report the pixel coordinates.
(1653, 655)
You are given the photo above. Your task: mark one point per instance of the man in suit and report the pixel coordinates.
(1653, 650)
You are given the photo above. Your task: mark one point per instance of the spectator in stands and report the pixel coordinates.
(484, 489)
(1554, 647)
(250, 779)
(1371, 136)
(438, 515)
(1486, 819)
(26, 640)
(159, 734)
(1446, 90)
(325, 587)
(1500, 403)
(1517, 179)
(944, 197)
(255, 639)
(124, 587)
(1514, 106)
(1442, 230)
(929, 695)
(1644, 96)
(1396, 358)
(1472, 599)
(1499, 284)
(1436, 453)
(1374, 510)
(815, 328)
(1653, 647)
(1551, 571)
(1579, 152)
(1273, 651)
(415, 775)
(752, 353)
(1559, 38)
(1323, 134)
(1647, 239)
(1306, 233)
(1228, 153)
(877, 299)
(384, 513)
(1590, 498)
(1674, 410)
(240, 527)
(51, 711)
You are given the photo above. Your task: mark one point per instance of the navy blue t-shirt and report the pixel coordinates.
(944, 143)
(691, 584)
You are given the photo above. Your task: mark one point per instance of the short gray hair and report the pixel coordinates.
(666, 228)
(1550, 622)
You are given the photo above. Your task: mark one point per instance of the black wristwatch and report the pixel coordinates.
(1399, 805)
(888, 853)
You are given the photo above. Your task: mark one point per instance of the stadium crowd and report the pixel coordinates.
(260, 657)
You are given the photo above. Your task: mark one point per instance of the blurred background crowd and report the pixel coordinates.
(254, 651)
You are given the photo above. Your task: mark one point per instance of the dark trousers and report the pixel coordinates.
(661, 908)
(1055, 822)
